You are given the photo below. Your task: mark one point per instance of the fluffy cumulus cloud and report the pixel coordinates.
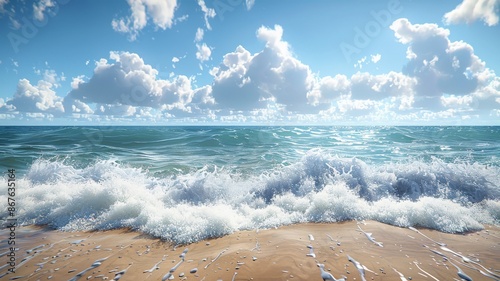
(442, 67)
(160, 11)
(470, 11)
(275, 78)
(128, 83)
(39, 98)
(246, 81)
(442, 79)
(203, 53)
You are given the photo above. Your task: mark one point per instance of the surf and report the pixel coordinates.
(214, 201)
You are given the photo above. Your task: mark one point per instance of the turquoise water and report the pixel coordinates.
(165, 149)
(221, 179)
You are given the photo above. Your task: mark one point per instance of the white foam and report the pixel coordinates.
(212, 202)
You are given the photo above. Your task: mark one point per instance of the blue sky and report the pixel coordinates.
(396, 62)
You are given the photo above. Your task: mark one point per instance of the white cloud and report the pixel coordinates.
(4, 116)
(272, 37)
(39, 116)
(76, 81)
(457, 101)
(470, 11)
(175, 60)
(181, 19)
(51, 76)
(203, 97)
(442, 79)
(376, 58)
(365, 93)
(330, 88)
(129, 83)
(356, 107)
(364, 61)
(406, 32)
(80, 108)
(118, 110)
(203, 53)
(5, 107)
(450, 77)
(439, 65)
(365, 86)
(199, 35)
(160, 11)
(36, 98)
(250, 82)
(208, 13)
(487, 97)
(360, 63)
(40, 8)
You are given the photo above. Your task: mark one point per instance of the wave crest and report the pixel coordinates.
(213, 201)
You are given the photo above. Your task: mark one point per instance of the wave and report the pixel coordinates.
(215, 201)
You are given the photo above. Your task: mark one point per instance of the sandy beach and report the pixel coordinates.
(286, 253)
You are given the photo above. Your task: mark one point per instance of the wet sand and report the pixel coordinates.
(286, 253)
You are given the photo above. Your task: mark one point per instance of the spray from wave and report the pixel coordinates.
(214, 201)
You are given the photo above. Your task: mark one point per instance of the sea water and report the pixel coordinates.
(184, 184)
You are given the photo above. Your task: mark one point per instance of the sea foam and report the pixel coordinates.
(215, 201)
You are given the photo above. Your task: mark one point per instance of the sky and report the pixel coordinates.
(249, 62)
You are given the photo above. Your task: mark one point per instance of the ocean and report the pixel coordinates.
(185, 184)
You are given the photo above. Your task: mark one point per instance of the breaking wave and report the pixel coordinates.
(214, 201)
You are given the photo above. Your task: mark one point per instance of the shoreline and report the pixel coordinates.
(286, 253)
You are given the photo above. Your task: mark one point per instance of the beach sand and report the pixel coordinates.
(274, 254)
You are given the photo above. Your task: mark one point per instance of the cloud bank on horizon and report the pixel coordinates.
(442, 80)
